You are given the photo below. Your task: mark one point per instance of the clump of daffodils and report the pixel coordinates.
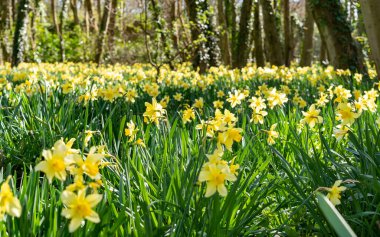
(272, 134)
(131, 132)
(258, 106)
(222, 126)
(154, 112)
(59, 162)
(216, 171)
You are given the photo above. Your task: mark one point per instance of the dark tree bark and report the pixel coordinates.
(230, 13)
(243, 43)
(371, 15)
(323, 56)
(224, 42)
(307, 46)
(272, 37)
(103, 31)
(207, 51)
(20, 36)
(287, 42)
(343, 50)
(257, 38)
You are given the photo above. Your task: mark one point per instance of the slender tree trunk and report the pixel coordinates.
(60, 32)
(230, 12)
(5, 28)
(14, 10)
(74, 9)
(99, 9)
(161, 31)
(58, 29)
(33, 15)
(20, 36)
(103, 31)
(112, 25)
(243, 45)
(224, 42)
(172, 16)
(207, 52)
(272, 37)
(343, 50)
(287, 32)
(257, 38)
(323, 56)
(371, 15)
(93, 26)
(307, 47)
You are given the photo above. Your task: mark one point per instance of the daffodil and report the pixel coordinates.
(215, 177)
(153, 112)
(272, 134)
(340, 131)
(229, 136)
(258, 116)
(57, 160)
(131, 131)
(334, 192)
(312, 117)
(236, 98)
(346, 114)
(9, 204)
(188, 115)
(78, 207)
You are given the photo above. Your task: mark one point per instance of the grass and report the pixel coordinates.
(154, 191)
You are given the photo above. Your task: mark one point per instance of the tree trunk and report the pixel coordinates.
(257, 38)
(91, 18)
(99, 9)
(60, 32)
(272, 37)
(371, 15)
(58, 28)
(20, 36)
(224, 42)
(172, 18)
(207, 50)
(112, 25)
(103, 31)
(161, 31)
(307, 47)
(343, 50)
(33, 16)
(230, 14)
(323, 57)
(5, 28)
(74, 8)
(243, 45)
(287, 42)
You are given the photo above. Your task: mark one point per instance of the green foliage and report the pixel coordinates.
(153, 191)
